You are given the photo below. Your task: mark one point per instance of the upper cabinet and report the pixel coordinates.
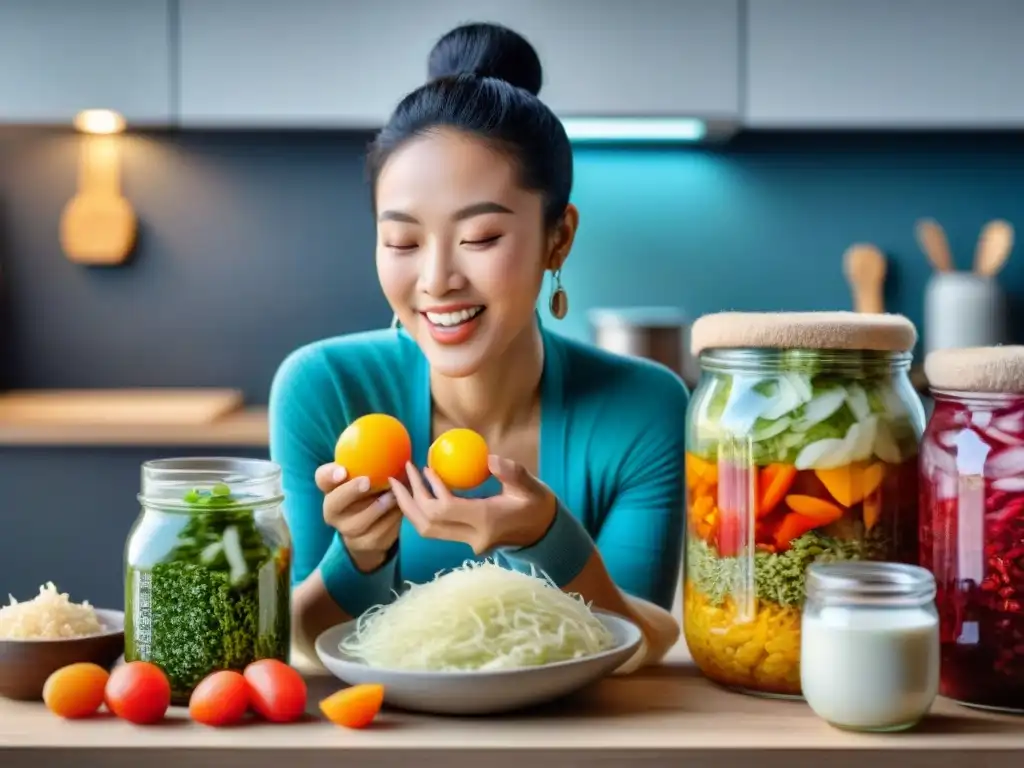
(324, 63)
(58, 57)
(884, 64)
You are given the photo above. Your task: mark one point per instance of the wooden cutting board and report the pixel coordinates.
(119, 406)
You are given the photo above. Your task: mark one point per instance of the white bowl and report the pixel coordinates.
(479, 693)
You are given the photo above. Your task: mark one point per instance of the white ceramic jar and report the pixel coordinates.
(869, 657)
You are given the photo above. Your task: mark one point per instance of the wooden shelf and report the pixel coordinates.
(246, 428)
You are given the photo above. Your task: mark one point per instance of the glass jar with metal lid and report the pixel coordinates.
(207, 569)
(972, 521)
(802, 443)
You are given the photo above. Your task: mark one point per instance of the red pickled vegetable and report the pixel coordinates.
(972, 538)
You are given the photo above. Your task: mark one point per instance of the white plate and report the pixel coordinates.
(478, 693)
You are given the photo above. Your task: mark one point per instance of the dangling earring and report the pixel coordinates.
(395, 322)
(558, 304)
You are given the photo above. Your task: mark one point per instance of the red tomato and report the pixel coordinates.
(276, 691)
(138, 692)
(222, 698)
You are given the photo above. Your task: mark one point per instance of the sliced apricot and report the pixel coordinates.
(354, 707)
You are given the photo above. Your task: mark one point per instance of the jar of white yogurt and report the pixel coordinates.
(869, 657)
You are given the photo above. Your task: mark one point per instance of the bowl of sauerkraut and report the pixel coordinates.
(41, 635)
(479, 639)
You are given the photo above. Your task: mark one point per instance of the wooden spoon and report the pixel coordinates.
(865, 268)
(932, 239)
(98, 225)
(994, 246)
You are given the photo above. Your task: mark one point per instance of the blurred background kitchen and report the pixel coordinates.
(730, 154)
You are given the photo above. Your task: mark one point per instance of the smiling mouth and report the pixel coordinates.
(453, 319)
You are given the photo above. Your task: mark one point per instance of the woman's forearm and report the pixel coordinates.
(659, 628)
(313, 611)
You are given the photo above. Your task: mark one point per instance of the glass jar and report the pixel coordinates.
(207, 569)
(869, 651)
(795, 453)
(972, 521)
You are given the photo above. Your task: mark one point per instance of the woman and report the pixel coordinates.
(471, 180)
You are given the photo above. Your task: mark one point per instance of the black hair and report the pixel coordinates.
(484, 79)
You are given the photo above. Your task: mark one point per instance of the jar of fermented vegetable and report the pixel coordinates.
(802, 443)
(207, 569)
(972, 521)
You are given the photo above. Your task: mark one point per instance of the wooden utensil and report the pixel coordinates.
(994, 246)
(865, 268)
(98, 225)
(932, 239)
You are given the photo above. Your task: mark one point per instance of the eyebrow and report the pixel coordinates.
(476, 209)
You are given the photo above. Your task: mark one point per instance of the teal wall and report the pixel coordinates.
(762, 224)
(253, 243)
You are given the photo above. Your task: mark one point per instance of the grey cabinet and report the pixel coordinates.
(884, 63)
(346, 64)
(58, 57)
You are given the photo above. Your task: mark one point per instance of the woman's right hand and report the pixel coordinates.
(368, 522)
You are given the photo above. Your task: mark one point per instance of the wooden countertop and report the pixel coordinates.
(669, 715)
(246, 428)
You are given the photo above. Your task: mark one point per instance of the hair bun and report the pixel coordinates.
(486, 50)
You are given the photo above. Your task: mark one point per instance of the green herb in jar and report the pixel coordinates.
(219, 600)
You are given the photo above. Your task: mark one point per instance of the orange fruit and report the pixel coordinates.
(459, 458)
(76, 690)
(376, 446)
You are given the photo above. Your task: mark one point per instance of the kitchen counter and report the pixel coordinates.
(668, 715)
(246, 428)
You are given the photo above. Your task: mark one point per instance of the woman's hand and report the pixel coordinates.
(518, 517)
(368, 522)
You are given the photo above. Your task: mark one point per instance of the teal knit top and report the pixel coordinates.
(611, 448)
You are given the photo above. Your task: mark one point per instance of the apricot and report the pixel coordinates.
(75, 691)
(376, 446)
(459, 458)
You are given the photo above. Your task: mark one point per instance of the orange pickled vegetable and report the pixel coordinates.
(774, 482)
(872, 509)
(851, 484)
(819, 510)
(354, 707)
(700, 471)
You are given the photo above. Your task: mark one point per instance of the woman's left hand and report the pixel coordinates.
(517, 517)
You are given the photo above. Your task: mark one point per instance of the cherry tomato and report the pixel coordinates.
(276, 691)
(75, 690)
(138, 692)
(222, 698)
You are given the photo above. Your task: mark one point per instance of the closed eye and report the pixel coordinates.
(483, 242)
(401, 248)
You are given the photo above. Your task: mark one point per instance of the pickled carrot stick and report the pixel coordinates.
(774, 482)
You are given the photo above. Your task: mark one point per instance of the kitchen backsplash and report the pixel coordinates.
(252, 243)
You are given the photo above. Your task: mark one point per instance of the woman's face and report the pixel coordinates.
(461, 248)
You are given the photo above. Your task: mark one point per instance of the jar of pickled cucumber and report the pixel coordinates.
(207, 569)
(802, 445)
(972, 521)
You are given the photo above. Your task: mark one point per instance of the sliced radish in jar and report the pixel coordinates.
(860, 439)
(994, 435)
(981, 419)
(936, 461)
(885, 445)
(1011, 422)
(948, 438)
(1009, 484)
(857, 400)
(771, 429)
(801, 384)
(786, 399)
(823, 454)
(1008, 462)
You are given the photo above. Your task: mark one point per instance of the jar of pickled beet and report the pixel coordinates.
(802, 444)
(972, 521)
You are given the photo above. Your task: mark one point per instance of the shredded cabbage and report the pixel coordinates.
(479, 617)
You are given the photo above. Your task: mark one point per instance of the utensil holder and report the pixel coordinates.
(963, 309)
